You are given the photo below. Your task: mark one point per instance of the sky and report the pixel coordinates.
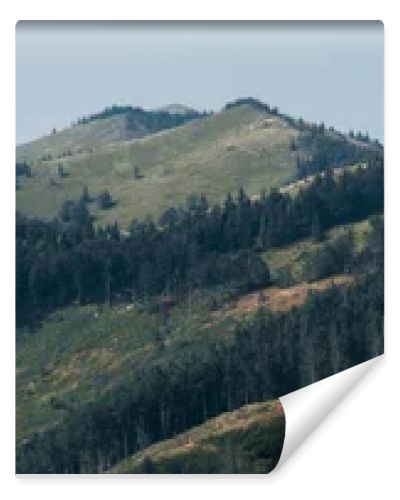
(330, 72)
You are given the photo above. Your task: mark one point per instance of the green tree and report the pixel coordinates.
(86, 198)
(316, 230)
(105, 200)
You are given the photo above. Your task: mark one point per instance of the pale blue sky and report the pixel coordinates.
(331, 72)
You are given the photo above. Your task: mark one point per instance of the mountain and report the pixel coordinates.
(244, 145)
(141, 350)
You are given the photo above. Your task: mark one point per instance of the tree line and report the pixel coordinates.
(153, 121)
(319, 150)
(68, 259)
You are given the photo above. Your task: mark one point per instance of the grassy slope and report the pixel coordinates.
(239, 147)
(91, 135)
(247, 440)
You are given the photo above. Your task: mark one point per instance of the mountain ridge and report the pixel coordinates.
(113, 124)
(247, 144)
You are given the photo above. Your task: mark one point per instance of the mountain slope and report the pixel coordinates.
(86, 370)
(149, 163)
(117, 123)
(125, 342)
(78, 139)
(80, 352)
(241, 146)
(247, 440)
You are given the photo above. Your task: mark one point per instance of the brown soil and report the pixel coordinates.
(283, 299)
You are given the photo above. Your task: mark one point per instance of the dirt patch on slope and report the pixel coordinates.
(283, 299)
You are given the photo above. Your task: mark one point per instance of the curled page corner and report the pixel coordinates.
(308, 407)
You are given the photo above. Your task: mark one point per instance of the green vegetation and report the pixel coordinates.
(114, 124)
(180, 385)
(197, 246)
(289, 264)
(246, 145)
(75, 140)
(81, 353)
(293, 188)
(215, 155)
(245, 441)
(140, 341)
(93, 360)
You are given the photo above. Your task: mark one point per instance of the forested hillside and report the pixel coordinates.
(128, 338)
(194, 246)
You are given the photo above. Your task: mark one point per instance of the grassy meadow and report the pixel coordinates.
(242, 146)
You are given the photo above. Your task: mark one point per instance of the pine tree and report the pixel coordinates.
(262, 240)
(316, 230)
(105, 200)
(85, 194)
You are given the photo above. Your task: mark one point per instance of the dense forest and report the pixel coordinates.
(70, 260)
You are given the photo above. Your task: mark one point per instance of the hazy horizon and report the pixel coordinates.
(321, 71)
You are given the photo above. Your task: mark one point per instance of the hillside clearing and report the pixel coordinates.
(283, 299)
